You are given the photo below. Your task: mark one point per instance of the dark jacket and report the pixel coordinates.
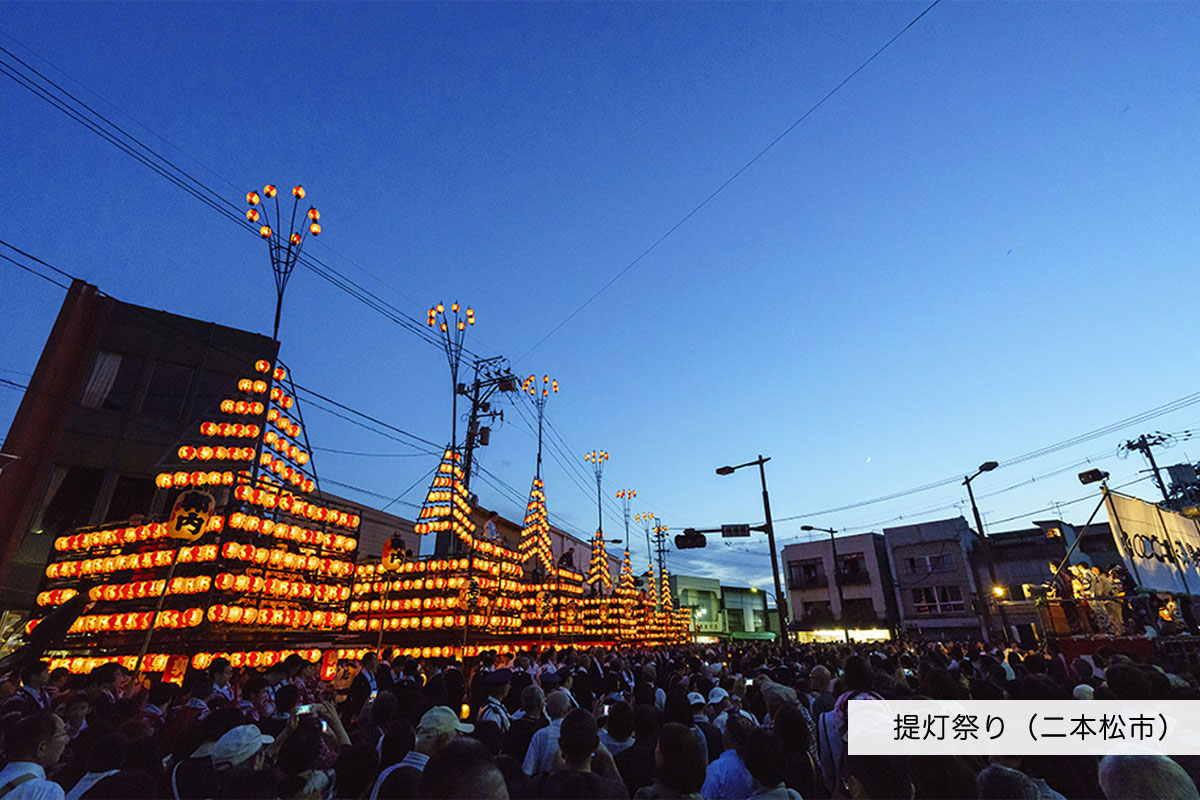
(636, 764)
(580, 786)
(520, 734)
(357, 695)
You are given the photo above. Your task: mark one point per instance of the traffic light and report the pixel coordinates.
(690, 539)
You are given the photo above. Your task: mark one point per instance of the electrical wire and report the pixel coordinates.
(87, 116)
(737, 174)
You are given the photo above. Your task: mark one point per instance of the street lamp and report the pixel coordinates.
(986, 466)
(780, 606)
(837, 575)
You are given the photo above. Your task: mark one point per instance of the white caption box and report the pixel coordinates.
(1016, 727)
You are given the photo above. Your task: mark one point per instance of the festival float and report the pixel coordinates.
(254, 564)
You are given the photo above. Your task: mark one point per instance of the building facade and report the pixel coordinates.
(115, 390)
(937, 593)
(867, 598)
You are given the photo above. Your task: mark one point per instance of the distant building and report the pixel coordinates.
(115, 389)
(866, 585)
(746, 614)
(721, 612)
(937, 593)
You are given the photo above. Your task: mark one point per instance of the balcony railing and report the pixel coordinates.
(856, 578)
(810, 582)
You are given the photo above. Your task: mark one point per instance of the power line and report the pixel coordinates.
(31, 271)
(737, 174)
(53, 94)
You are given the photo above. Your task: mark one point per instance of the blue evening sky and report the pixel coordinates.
(983, 244)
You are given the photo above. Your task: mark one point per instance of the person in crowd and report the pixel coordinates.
(679, 764)
(363, 688)
(255, 699)
(397, 742)
(617, 733)
(464, 768)
(997, 782)
(544, 744)
(33, 697)
(820, 694)
(75, 714)
(725, 704)
(522, 677)
(221, 673)
(712, 736)
(877, 778)
(765, 761)
(1138, 776)
(287, 700)
(637, 763)
(727, 777)
(587, 769)
(800, 768)
(105, 757)
(32, 745)
(355, 770)
(525, 723)
(438, 728)
(497, 684)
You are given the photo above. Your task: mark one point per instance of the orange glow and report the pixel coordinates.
(252, 214)
(313, 214)
(298, 192)
(295, 238)
(269, 190)
(314, 229)
(265, 232)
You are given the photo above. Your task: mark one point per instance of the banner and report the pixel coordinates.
(1161, 548)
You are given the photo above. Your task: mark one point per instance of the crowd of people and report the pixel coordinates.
(714, 722)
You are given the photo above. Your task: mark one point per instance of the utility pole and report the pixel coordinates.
(837, 576)
(660, 546)
(1143, 444)
(491, 375)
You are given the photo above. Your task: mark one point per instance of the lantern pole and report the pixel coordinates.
(284, 251)
(137, 668)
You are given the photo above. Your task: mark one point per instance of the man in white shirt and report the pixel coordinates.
(544, 744)
(33, 744)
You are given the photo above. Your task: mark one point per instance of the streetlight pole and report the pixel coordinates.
(837, 576)
(985, 597)
(780, 601)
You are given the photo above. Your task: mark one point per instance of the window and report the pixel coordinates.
(167, 391)
(929, 563)
(938, 600)
(818, 610)
(806, 573)
(132, 496)
(859, 610)
(69, 504)
(853, 568)
(113, 381)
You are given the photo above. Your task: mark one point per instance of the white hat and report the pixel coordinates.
(442, 719)
(695, 699)
(237, 745)
(717, 695)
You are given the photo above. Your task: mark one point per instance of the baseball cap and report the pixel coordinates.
(717, 695)
(442, 719)
(695, 699)
(237, 745)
